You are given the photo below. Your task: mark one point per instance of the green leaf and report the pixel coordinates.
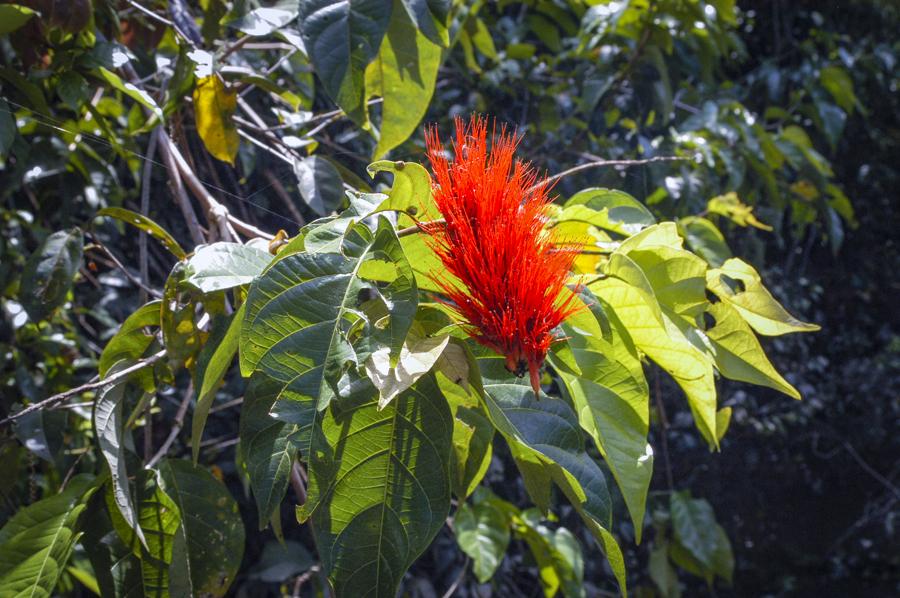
(410, 190)
(705, 239)
(738, 284)
(840, 86)
(730, 206)
(608, 209)
(225, 265)
(265, 444)
(139, 95)
(215, 359)
(557, 553)
(209, 543)
(693, 522)
(342, 37)
(430, 18)
(109, 429)
(379, 486)
(36, 542)
(148, 226)
(48, 273)
(132, 341)
(667, 345)
(738, 353)
(7, 127)
(302, 312)
(545, 439)
(403, 74)
(158, 519)
(482, 532)
(320, 184)
(662, 573)
(13, 16)
(611, 398)
(677, 278)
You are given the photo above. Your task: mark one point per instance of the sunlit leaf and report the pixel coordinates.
(214, 106)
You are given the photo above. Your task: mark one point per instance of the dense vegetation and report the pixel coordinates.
(171, 171)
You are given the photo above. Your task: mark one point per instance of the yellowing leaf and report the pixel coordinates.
(668, 346)
(214, 106)
(755, 304)
(738, 353)
(730, 206)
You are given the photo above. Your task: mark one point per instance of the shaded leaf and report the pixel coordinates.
(148, 226)
(320, 184)
(48, 273)
(482, 532)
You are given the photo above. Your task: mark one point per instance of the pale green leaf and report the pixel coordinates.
(223, 265)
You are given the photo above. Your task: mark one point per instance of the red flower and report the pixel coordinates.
(508, 272)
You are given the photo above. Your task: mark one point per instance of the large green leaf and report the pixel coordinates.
(209, 543)
(47, 276)
(545, 438)
(430, 17)
(738, 353)
(403, 74)
(225, 265)
(268, 453)
(305, 310)
(36, 542)
(379, 485)
(341, 38)
(13, 16)
(611, 398)
(705, 239)
(215, 359)
(738, 284)
(700, 536)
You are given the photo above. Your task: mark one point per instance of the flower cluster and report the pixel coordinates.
(505, 272)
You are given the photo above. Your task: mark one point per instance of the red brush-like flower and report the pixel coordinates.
(508, 272)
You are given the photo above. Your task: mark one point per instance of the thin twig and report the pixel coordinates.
(459, 578)
(176, 426)
(181, 196)
(109, 380)
(601, 164)
(285, 198)
(664, 425)
(297, 483)
(97, 244)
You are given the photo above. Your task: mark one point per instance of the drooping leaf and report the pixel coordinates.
(705, 239)
(48, 273)
(225, 265)
(557, 553)
(158, 519)
(404, 74)
(135, 93)
(379, 485)
(611, 399)
(341, 38)
(214, 106)
(416, 359)
(265, 444)
(738, 284)
(697, 532)
(109, 427)
(215, 359)
(730, 206)
(209, 543)
(36, 542)
(266, 19)
(148, 226)
(302, 310)
(662, 573)
(738, 353)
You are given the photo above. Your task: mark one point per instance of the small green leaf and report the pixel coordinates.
(224, 266)
(139, 95)
(48, 273)
(482, 532)
(320, 184)
(131, 342)
(148, 226)
(694, 526)
(840, 86)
